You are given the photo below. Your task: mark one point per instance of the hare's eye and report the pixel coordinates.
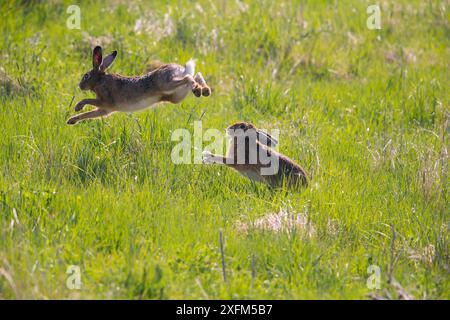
(86, 76)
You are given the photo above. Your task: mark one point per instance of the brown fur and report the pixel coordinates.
(165, 83)
(288, 172)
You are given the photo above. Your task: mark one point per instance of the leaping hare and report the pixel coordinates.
(250, 154)
(166, 83)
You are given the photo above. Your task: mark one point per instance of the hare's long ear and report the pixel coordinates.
(96, 57)
(108, 61)
(266, 138)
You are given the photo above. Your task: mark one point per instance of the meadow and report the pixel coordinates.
(365, 112)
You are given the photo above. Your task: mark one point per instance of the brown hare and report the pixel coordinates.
(166, 83)
(250, 154)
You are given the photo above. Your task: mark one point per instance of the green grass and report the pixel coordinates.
(366, 112)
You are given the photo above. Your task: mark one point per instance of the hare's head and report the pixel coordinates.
(250, 131)
(239, 128)
(99, 65)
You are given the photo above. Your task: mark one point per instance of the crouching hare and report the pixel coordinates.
(250, 153)
(166, 83)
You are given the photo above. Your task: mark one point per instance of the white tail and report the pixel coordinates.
(189, 68)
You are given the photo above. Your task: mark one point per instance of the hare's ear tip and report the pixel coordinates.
(97, 50)
(114, 53)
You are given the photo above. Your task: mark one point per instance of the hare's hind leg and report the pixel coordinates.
(197, 91)
(178, 88)
(88, 115)
(204, 89)
(178, 83)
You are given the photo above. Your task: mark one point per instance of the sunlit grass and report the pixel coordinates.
(366, 112)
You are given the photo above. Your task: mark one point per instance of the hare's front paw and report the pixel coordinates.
(72, 120)
(208, 157)
(79, 106)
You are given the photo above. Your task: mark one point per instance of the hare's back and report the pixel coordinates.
(288, 165)
(168, 72)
